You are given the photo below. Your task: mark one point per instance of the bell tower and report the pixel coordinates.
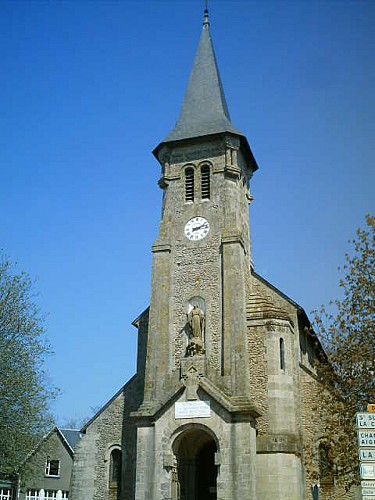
(202, 257)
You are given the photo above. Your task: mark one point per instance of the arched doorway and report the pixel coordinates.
(196, 470)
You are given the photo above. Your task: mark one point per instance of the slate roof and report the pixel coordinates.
(204, 110)
(72, 436)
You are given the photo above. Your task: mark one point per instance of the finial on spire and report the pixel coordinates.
(206, 22)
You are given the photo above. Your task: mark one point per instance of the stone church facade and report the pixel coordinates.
(221, 405)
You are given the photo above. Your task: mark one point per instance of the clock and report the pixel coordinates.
(196, 228)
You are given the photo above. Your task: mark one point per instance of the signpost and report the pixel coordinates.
(368, 484)
(366, 420)
(366, 439)
(366, 442)
(368, 491)
(367, 455)
(367, 471)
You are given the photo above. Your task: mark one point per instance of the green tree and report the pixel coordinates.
(346, 330)
(25, 392)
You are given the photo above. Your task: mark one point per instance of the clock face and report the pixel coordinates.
(197, 228)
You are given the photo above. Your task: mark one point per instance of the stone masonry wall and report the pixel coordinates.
(313, 432)
(196, 266)
(91, 462)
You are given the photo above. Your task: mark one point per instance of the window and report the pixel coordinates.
(53, 495)
(32, 495)
(5, 494)
(325, 465)
(50, 495)
(205, 182)
(282, 355)
(115, 469)
(189, 184)
(52, 468)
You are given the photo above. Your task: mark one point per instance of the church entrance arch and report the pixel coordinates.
(196, 473)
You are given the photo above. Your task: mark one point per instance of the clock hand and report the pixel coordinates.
(202, 226)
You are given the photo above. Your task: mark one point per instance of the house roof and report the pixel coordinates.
(71, 436)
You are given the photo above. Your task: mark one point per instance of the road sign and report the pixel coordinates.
(368, 491)
(367, 497)
(367, 455)
(368, 484)
(371, 407)
(365, 420)
(366, 438)
(367, 470)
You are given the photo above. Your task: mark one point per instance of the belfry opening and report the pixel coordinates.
(196, 475)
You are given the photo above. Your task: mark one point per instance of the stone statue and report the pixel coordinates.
(196, 323)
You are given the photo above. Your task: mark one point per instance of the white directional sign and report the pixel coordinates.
(367, 455)
(368, 491)
(367, 497)
(367, 470)
(366, 420)
(366, 441)
(368, 484)
(366, 438)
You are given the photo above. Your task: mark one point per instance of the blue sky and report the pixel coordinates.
(88, 89)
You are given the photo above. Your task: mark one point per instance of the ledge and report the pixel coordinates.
(161, 247)
(232, 239)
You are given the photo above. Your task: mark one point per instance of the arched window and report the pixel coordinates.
(325, 465)
(282, 354)
(205, 182)
(115, 464)
(189, 184)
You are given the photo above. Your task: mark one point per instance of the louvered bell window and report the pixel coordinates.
(189, 184)
(205, 180)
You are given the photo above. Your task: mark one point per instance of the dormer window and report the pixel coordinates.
(205, 182)
(52, 468)
(189, 184)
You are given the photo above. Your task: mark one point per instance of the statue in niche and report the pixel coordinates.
(196, 323)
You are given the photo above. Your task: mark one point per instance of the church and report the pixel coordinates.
(221, 405)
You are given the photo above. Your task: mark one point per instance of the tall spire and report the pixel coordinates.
(205, 19)
(204, 110)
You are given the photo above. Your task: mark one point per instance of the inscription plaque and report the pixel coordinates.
(192, 409)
